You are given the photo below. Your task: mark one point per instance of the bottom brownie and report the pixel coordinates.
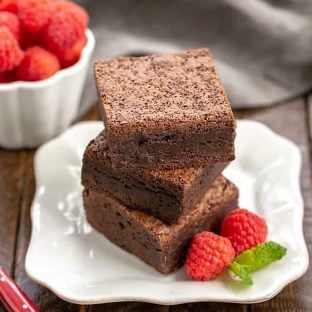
(160, 245)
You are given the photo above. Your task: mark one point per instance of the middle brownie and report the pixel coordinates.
(165, 194)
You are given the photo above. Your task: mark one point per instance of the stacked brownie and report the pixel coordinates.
(152, 179)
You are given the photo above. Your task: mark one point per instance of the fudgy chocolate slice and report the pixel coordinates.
(166, 111)
(159, 244)
(166, 194)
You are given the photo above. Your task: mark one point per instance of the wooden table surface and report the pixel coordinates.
(17, 188)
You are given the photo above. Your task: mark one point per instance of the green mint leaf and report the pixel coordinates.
(260, 256)
(241, 272)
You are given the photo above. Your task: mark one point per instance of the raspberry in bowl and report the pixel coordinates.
(43, 67)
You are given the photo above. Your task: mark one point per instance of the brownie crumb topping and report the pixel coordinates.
(181, 87)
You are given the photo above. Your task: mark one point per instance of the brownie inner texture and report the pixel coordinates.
(164, 193)
(155, 242)
(168, 151)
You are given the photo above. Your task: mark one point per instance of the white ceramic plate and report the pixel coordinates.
(81, 266)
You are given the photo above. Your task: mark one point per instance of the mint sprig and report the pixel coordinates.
(255, 259)
(241, 272)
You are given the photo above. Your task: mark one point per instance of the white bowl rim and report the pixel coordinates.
(87, 50)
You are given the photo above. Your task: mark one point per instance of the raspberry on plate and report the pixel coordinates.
(35, 17)
(208, 255)
(244, 229)
(11, 21)
(10, 51)
(38, 64)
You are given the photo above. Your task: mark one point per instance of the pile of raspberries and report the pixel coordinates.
(39, 37)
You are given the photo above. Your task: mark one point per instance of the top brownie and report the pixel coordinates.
(166, 111)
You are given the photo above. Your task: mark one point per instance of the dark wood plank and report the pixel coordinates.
(209, 307)
(290, 120)
(12, 166)
(128, 307)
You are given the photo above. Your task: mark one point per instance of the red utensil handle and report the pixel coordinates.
(14, 299)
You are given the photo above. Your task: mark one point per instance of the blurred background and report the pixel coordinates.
(262, 48)
(263, 52)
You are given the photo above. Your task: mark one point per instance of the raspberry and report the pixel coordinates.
(76, 10)
(72, 55)
(35, 17)
(63, 32)
(11, 21)
(244, 229)
(38, 64)
(75, 19)
(208, 255)
(9, 5)
(10, 51)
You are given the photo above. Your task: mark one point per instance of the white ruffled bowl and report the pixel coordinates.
(34, 112)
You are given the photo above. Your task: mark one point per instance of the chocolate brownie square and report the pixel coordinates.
(164, 193)
(159, 244)
(165, 111)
